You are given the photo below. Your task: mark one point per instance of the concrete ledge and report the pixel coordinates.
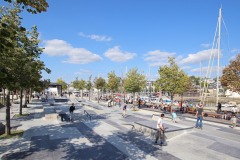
(148, 128)
(53, 116)
(155, 117)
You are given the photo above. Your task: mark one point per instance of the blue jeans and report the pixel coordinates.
(199, 122)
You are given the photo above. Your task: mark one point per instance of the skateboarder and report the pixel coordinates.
(160, 131)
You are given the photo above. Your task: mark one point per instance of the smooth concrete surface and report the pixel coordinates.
(110, 136)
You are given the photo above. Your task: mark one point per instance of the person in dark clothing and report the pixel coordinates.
(71, 109)
(124, 110)
(199, 115)
(219, 107)
(139, 102)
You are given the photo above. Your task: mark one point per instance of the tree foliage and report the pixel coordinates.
(113, 82)
(89, 85)
(32, 6)
(99, 83)
(63, 83)
(79, 84)
(134, 81)
(20, 66)
(231, 75)
(172, 79)
(195, 80)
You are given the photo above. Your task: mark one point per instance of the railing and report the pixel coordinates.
(88, 115)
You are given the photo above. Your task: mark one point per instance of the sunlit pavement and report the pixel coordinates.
(110, 136)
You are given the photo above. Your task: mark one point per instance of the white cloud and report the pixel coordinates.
(206, 45)
(235, 50)
(83, 72)
(116, 55)
(203, 55)
(158, 58)
(185, 67)
(58, 47)
(232, 58)
(212, 72)
(96, 37)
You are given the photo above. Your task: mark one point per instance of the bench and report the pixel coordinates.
(212, 114)
(192, 111)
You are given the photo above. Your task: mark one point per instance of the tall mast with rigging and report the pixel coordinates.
(219, 51)
(217, 43)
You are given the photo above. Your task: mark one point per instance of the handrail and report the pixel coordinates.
(88, 115)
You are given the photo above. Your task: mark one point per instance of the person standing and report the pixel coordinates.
(160, 131)
(124, 110)
(233, 110)
(174, 116)
(199, 115)
(219, 107)
(118, 102)
(71, 109)
(233, 121)
(139, 102)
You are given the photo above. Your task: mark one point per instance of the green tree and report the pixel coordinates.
(75, 83)
(113, 82)
(79, 85)
(19, 55)
(27, 66)
(172, 80)
(9, 36)
(231, 75)
(99, 84)
(195, 80)
(41, 85)
(32, 6)
(134, 81)
(63, 83)
(89, 86)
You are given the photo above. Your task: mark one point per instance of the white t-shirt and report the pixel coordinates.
(159, 123)
(233, 109)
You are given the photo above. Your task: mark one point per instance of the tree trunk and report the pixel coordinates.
(21, 99)
(181, 103)
(4, 94)
(12, 95)
(133, 101)
(171, 102)
(89, 95)
(7, 127)
(30, 95)
(17, 94)
(98, 95)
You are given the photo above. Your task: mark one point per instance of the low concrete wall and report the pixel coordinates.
(52, 116)
(149, 131)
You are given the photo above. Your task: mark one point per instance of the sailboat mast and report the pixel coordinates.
(200, 81)
(219, 51)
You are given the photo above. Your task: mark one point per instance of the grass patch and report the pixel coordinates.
(18, 115)
(14, 134)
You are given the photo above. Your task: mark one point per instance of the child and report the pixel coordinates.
(174, 116)
(233, 121)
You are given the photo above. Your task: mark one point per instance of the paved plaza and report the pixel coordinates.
(110, 136)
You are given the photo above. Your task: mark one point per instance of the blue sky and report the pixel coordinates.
(93, 37)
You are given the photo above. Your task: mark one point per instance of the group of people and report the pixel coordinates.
(200, 115)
